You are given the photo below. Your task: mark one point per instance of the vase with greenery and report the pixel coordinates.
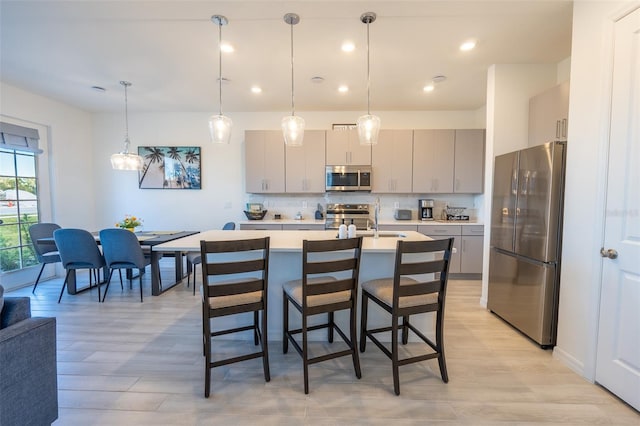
(129, 222)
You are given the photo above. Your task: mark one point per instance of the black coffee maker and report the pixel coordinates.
(425, 207)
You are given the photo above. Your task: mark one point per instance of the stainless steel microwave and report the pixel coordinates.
(348, 178)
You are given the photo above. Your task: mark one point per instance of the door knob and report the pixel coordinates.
(609, 253)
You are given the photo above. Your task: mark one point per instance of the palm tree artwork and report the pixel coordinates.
(170, 167)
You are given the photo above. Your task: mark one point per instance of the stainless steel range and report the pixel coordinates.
(358, 213)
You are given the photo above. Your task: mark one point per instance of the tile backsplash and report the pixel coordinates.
(290, 205)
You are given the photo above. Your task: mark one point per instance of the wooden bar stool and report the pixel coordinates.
(234, 280)
(413, 289)
(329, 283)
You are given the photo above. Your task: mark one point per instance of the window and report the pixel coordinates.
(18, 208)
(19, 201)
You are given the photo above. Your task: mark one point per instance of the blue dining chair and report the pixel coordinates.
(194, 258)
(45, 253)
(78, 250)
(122, 250)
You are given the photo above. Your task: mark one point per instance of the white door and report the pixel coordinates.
(618, 361)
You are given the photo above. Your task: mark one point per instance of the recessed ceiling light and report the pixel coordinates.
(439, 78)
(428, 88)
(256, 89)
(348, 46)
(317, 79)
(226, 48)
(343, 89)
(99, 89)
(468, 45)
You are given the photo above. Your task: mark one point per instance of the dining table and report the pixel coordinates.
(147, 239)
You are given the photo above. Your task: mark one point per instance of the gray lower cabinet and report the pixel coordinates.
(398, 228)
(468, 242)
(446, 231)
(260, 227)
(472, 246)
(302, 227)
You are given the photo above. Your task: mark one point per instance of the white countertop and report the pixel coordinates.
(382, 222)
(291, 240)
(283, 222)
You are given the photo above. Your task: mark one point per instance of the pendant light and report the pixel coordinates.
(125, 160)
(368, 125)
(292, 126)
(220, 125)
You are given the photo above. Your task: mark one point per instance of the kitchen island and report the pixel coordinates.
(285, 263)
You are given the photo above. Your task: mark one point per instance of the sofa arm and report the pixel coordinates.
(15, 309)
(28, 376)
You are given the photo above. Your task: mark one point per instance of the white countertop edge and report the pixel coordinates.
(287, 241)
(382, 222)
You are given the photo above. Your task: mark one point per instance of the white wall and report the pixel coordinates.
(222, 197)
(70, 151)
(65, 168)
(585, 182)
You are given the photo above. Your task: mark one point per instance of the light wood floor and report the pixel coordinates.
(130, 363)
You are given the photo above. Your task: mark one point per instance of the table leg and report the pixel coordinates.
(155, 273)
(179, 275)
(71, 282)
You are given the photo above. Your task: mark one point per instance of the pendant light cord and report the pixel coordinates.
(220, 65)
(126, 117)
(293, 111)
(368, 74)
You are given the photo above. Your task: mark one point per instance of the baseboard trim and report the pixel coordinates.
(570, 361)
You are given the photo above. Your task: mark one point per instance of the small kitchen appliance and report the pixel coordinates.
(402, 214)
(426, 209)
(348, 178)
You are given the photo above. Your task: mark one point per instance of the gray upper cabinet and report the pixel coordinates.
(391, 161)
(469, 161)
(548, 114)
(343, 148)
(264, 161)
(433, 161)
(305, 171)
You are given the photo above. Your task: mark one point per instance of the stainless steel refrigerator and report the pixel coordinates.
(526, 239)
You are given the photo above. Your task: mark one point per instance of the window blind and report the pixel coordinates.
(19, 138)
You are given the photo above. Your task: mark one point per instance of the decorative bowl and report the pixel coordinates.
(255, 215)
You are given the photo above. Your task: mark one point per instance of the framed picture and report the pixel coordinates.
(344, 126)
(169, 167)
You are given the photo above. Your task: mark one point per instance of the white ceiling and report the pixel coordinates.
(168, 50)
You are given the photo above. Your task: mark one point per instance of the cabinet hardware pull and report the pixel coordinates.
(564, 127)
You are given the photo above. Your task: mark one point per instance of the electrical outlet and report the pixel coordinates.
(304, 204)
(396, 205)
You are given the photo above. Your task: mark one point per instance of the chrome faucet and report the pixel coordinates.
(376, 213)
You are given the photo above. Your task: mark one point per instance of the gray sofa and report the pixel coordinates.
(28, 372)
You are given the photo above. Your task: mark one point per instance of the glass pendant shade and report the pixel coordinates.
(220, 128)
(293, 130)
(368, 129)
(125, 160)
